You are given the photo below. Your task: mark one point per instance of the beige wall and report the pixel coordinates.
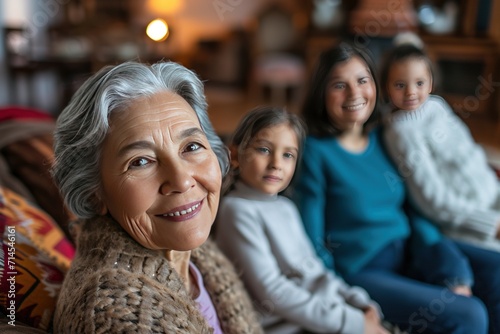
(191, 21)
(197, 19)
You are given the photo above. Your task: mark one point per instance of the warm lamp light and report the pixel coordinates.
(164, 7)
(157, 30)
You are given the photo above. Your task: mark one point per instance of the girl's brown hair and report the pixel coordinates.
(258, 119)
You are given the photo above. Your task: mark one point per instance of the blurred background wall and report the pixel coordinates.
(262, 50)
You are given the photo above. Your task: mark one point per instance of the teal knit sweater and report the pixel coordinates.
(352, 204)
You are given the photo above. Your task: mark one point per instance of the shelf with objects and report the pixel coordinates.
(25, 67)
(463, 39)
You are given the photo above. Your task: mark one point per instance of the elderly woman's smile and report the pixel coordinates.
(160, 178)
(183, 213)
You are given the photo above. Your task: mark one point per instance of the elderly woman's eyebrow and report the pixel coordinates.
(137, 145)
(194, 131)
(145, 144)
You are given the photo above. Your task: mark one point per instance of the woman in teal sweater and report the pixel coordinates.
(353, 205)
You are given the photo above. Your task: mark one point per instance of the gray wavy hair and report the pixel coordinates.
(82, 126)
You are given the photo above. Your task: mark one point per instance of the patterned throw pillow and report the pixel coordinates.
(34, 256)
(30, 160)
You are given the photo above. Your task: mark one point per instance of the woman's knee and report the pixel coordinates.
(469, 315)
(451, 314)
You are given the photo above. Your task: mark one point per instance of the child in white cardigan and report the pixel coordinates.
(262, 233)
(447, 173)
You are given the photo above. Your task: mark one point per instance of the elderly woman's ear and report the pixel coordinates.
(104, 210)
(101, 207)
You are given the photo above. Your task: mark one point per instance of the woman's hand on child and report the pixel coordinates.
(463, 290)
(373, 326)
(372, 311)
(372, 321)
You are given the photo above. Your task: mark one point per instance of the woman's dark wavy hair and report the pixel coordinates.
(314, 109)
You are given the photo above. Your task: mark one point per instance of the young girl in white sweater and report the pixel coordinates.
(447, 173)
(262, 233)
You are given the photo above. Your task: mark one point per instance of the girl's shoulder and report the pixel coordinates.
(231, 200)
(234, 207)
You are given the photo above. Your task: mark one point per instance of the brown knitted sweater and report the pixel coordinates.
(115, 285)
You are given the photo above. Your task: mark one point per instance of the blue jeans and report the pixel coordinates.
(427, 308)
(486, 268)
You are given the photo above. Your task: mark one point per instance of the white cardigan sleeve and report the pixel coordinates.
(423, 154)
(242, 236)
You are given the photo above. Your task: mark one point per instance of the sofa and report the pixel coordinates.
(37, 238)
(37, 246)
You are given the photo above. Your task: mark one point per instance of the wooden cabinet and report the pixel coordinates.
(468, 59)
(467, 72)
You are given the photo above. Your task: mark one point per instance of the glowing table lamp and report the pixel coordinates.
(157, 30)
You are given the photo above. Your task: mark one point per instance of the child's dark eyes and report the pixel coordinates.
(399, 85)
(420, 83)
(289, 155)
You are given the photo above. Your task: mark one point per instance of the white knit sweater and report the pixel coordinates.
(263, 235)
(447, 173)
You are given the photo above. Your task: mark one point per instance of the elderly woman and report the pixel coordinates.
(139, 163)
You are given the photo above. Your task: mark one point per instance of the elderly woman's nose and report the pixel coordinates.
(175, 178)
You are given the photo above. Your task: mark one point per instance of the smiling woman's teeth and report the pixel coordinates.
(183, 212)
(355, 107)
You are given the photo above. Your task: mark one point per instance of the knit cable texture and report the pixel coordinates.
(116, 285)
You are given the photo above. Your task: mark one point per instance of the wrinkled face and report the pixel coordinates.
(350, 94)
(409, 83)
(269, 161)
(160, 178)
